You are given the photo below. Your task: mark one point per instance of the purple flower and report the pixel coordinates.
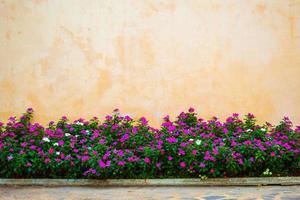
(202, 165)
(135, 130)
(23, 144)
(143, 121)
(10, 157)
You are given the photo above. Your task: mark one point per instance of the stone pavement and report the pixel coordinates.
(149, 193)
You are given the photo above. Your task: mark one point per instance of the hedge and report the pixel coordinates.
(121, 147)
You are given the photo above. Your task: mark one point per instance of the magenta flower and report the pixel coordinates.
(121, 163)
(147, 160)
(102, 141)
(61, 142)
(120, 153)
(225, 130)
(101, 164)
(85, 158)
(172, 128)
(191, 109)
(170, 158)
(171, 140)
(182, 164)
(194, 152)
(241, 162)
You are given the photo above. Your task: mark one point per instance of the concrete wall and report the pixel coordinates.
(151, 58)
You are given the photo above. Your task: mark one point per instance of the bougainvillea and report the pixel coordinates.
(120, 147)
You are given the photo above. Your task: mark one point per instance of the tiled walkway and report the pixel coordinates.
(164, 193)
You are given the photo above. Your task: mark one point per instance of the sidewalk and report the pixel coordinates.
(149, 193)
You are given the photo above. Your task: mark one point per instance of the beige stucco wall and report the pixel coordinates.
(151, 58)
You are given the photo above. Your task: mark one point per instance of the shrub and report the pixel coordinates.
(120, 147)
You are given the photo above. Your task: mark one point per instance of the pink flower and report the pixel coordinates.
(191, 109)
(272, 154)
(216, 151)
(147, 160)
(51, 150)
(194, 152)
(170, 158)
(9, 158)
(182, 164)
(85, 158)
(121, 163)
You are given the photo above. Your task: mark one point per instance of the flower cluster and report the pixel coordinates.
(120, 147)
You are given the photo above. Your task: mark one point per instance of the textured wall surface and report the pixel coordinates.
(151, 58)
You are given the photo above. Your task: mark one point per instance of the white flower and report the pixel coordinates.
(76, 135)
(58, 153)
(67, 134)
(89, 148)
(55, 144)
(248, 130)
(79, 123)
(46, 139)
(191, 140)
(267, 172)
(198, 142)
(263, 129)
(87, 132)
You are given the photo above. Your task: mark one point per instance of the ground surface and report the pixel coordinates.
(164, 193)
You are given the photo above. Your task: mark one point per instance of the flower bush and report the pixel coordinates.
(120, 147)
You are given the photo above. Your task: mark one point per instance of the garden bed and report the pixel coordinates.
(123, 148)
